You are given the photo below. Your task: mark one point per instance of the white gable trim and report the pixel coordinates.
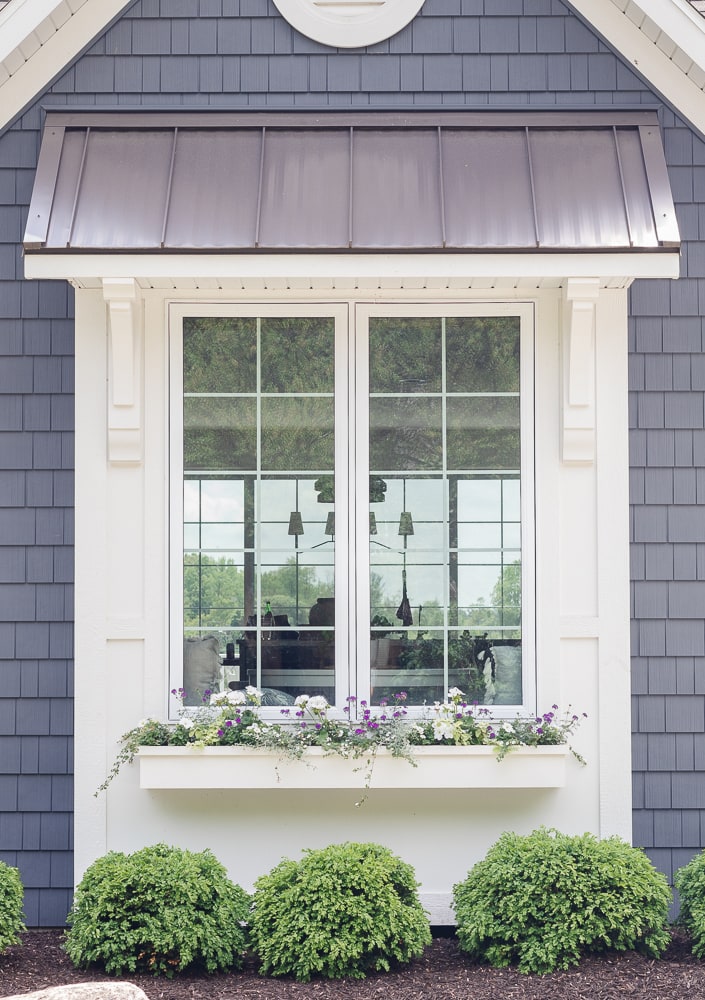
(663, 41)
(41, 38)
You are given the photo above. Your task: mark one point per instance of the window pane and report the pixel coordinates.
(297, 354)
(483, 432)
(299, 431)
(220, 355)
(405, 355)
(220, 433)
(482, 354)
(406, 433)
(258, 542)
(445, 575)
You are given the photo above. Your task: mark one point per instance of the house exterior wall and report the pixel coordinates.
(465, 53)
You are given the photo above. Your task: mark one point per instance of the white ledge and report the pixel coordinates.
(437, 767)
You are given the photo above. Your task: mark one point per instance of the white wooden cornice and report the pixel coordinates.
(125, 390)
(578, 359)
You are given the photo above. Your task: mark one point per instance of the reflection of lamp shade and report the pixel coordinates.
(330, 524)
(296, 525)
(373, 523)
(406, 524)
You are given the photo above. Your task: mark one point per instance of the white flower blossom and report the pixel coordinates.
(301, 700)
(317, 703)
(186, 722)
(236, 698)
(253, 692)
(219, 698)
(442, 729)
(143, 722)
(454, 693)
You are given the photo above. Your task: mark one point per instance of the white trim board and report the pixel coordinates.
(39, 39)
(368, 270)
(663, 41)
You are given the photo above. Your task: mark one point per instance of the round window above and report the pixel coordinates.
(348, 24)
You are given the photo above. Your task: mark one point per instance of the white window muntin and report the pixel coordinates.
(352, 674)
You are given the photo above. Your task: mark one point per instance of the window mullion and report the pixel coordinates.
(360, 478)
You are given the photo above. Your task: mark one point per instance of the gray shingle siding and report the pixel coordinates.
(241, 52)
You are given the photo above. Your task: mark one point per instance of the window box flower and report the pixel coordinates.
(454, 745)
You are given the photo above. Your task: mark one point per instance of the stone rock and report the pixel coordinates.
(86, 991)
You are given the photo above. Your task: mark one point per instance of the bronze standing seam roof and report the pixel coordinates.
(243, 182)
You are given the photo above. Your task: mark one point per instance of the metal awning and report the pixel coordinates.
(212, 182)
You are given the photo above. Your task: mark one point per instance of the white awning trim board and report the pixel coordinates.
(311, 271)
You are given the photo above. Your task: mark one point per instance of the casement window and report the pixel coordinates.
(352, 501)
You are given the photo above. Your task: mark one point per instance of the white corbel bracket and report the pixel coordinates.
(578, 362)
(122, 297)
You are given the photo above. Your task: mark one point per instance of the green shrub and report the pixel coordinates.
(159, 910)
(545, 899)
(340, 911)
(690, 883)
(11, 898)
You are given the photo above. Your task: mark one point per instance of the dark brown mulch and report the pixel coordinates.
(443, 973)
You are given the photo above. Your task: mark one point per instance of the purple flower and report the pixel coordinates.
(228, 722)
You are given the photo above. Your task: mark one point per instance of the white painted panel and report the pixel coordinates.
(576, 544)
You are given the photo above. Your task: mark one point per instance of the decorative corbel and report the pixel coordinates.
(578, 350)
(122, 297)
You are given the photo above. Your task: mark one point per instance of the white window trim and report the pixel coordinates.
(353, 676)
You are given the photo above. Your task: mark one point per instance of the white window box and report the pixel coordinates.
(437, 767)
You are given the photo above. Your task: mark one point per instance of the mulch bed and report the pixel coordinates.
(442, 973)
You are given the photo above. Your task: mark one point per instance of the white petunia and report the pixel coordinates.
(317, 703)
(236, 698)
(454, 693)
(253, 692)
(442, 729)
(186, 723)
(301, 700)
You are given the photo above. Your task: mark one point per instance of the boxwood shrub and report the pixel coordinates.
(11, 900)
(545, 899)
(159, 910)
(690, 882)
(340, 911)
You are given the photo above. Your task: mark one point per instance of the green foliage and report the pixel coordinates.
(690, 883)
(339, 912)
(11, 898)
(545, 899)
(159, 910)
